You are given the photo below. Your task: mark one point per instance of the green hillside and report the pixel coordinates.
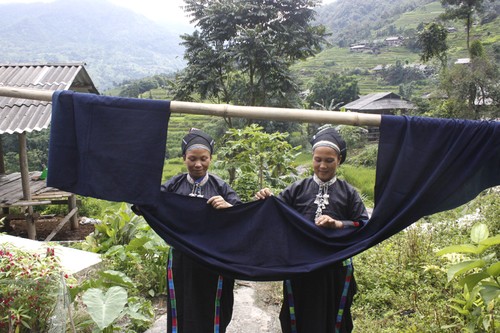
(342, 60)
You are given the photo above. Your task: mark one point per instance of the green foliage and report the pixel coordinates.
(479, 276)
(255, 159)
(366, 157)
(354, 21)
(89, 207)
(243, 50)
(462, 10)
(363, 179)
(132, 247)
(432, 41)
(105, 308)
(394, 293)
(117, 228)
(399, 74)
(107, 302)
(30, 288)
(472, 90)
(135, 88)
(146, 253)
(328, 91)
(354, 136)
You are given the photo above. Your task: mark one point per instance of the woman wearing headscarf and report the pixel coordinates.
(320, 301)
(199, 300)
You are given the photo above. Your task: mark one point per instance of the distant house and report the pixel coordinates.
(394, 41)
(461, 61)
(359, 48)
(379, 68)
(379, 103)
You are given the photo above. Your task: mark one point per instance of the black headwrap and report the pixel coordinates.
(197, 137)
(328, 136)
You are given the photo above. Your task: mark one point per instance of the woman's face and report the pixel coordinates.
(197, 162)
(325, 163)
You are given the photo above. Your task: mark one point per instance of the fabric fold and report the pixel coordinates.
(107, 147)
(424, 166)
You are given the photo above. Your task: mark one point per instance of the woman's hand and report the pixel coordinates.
(218, 202)
(326, 221)
(263, 193)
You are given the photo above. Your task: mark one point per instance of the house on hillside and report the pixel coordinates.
(462, 61)
(21, 116)
(359, 48)
(394, 41)
(380, 103)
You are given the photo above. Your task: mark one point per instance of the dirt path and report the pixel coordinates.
(250, 313)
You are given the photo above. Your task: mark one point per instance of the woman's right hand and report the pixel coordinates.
(263, 193)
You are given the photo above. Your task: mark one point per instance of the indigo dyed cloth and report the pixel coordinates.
(424, 166)
(107, 147)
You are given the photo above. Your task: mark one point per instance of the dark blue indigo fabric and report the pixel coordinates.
(107, 147)
(424, 166)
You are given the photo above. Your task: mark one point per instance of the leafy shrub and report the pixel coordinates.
(366, 157)
(89, 207)
(108, 306)
(478, 274)
(30, 288)
(132, 247)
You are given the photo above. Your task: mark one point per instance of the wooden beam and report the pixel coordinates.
(24, 203)
(61, 224)
(226, 110)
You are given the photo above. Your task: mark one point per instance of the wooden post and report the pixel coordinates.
(23, 161)
(2, 163)
(74, 218)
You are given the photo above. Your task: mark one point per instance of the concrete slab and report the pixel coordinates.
(72, 260)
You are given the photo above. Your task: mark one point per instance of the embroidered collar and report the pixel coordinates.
(197, 185)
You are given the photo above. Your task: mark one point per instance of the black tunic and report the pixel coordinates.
(193, 288)
(316, 297)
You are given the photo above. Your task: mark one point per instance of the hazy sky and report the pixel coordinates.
(154, 9)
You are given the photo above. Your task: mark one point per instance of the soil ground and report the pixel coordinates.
(45, 225)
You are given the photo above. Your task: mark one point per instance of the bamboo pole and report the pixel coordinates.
(226, 110)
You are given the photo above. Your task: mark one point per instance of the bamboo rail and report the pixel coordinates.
(226, 110)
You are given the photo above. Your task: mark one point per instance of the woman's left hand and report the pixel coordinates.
(326, 221)
(218, 202)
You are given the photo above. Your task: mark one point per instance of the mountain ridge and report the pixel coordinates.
(115, 43)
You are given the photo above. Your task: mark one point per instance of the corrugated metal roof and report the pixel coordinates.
(379, 102)
(25, 115)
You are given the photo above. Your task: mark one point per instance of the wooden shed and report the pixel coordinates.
(380, 103)
(19, 117)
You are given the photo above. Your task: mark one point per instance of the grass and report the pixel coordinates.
(363, 179)
(426, 14)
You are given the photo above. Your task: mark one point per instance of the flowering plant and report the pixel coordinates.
(30, 284)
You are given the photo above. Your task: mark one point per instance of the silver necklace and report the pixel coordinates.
(322, 198)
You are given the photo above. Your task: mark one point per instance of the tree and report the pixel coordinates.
(329, 90)
(242, 50)
(255, 159)
(462, 10)
(432, 41)
(472, 89)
